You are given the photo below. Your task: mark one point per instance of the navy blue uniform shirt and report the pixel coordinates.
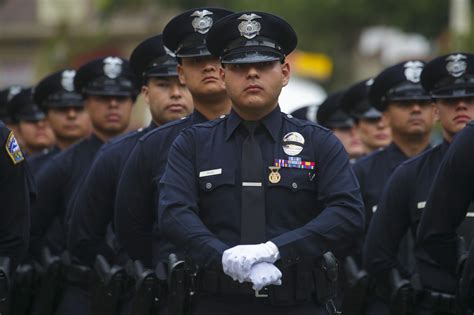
(17, 191)
(37, 161)
(399, 211)
(57, 182)
(373, 172)
(308, 212)
(93, 207)
(448, 201)
(136, 203)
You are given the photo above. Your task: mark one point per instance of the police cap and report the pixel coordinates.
(250, 37)
(57, 90)
(150, 59)
(6, 95)
(185, 35)
(355, 101)
(331, 115)
(449, 76)
(22, 107)
(108, 76)
(400, 82)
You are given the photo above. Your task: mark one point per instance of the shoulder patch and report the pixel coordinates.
(13, 149)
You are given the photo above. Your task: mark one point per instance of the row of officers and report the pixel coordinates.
(224, 204)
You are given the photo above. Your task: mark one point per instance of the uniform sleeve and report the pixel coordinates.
(178, 206)
(92, 211)
(448, 201)
(389, 225)
(133, 206)
(48, 205)
(341, 222)
(16, 188)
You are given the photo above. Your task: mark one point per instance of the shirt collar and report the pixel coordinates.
(197, 117)
(272, 122)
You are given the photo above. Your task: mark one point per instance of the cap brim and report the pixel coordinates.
(35, 116)
(252, 55)
(189, 52)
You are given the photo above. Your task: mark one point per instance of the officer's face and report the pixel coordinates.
(69, 123)
(255, 87)
(35, 135)
(454, 114)
(201, 76)
(168, 99)
(350, 140)
(410, 118)
(374, 133)
(110, 115)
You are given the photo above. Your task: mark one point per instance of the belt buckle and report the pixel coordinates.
(264, 294)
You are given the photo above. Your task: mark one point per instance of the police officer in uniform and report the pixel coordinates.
(257, 196)
(373, 131)
(65, 113)
(109, 89)
(32, 126)
(331, 115)
(397, 93)
(404, 198)
(135, 207)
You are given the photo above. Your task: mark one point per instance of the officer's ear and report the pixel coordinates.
(222, 72)
(286, 72)
(179, 69)
(436, 112)
(145, 91)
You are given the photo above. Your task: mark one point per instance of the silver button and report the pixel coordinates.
(222, 116)
(294, 185)
(208, 185)
(289, 116)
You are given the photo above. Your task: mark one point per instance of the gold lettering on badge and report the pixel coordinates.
(274, 177)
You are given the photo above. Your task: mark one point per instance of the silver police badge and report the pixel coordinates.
(413, 71)
(456, 65)
(249, 28)
(202, 21)
(112, 67)
(12, 91)
(293, 143)
(67, 80)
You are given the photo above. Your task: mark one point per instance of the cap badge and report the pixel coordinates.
(67, 80)
(293, 143)
(249, 28)
(456, 65)
(202, 21)
(112, 67)
(413, 71)
(369, 82)
(12, 91)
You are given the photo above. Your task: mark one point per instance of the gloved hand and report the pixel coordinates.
(237, 261)
(263, 274)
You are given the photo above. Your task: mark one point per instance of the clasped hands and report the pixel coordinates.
(253, 263)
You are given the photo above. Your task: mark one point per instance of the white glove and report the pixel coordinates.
(237, 261)
(263, 274)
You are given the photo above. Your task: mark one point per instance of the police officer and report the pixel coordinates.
(65, 113)
(373, 131)
(6, 95)
(16, 193)
(32, 127)
(185, 35)
(331, 115)
(397, 93)
(404, 198)
(257, 196)
(109, 89)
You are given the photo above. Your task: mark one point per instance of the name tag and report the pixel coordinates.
(216, 171)
(470, 214)
(421, 204)
(252, 184)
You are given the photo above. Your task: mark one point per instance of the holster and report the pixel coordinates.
(109, 284)
(401, 300)
(4, 284)
(181, 286)
(51, 282)
(356, 288)
(145, 295)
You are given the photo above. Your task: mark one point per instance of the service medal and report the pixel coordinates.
(274, 177)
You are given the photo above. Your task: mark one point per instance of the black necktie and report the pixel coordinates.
(252, 227)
